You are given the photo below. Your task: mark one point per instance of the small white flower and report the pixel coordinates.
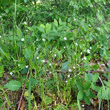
(50, 51)
(26, 66)
(0, 16)
(76, 44)
(37, 57)
(88, 51)
(36, 39)
(82, 105)
(43, 39)
(26, 30)
(85, 58)
(18, 64)
(50, 64)
(77, 64)
(66, 81)
(89, 25)
(50, 72)
(22, 39)
(64, 47)
(43, 61)
(65, 38)
(11, 73)
(55, 55)
(74, 19)
(69, 70)
(73, 67)
(69, 76)
(90, 47)
(25, 23)
(81, 53)
(0, 36)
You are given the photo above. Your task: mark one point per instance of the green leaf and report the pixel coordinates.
(1, 71)
(65, 66)
(48, 100)
(48, 27)
(42, 26)
(19, 32)
(33, 81)
(80, 95)
(13, 85)
(28, 53)
(60, 22)
(100, 16)
(104, 93)
(95, 77)
(87, 85)
(55, 23)
(87, 100)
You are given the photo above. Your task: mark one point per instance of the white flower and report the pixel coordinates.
(0, 16)
(26, 66)
(50, 51)
(82, 105)
(69, 76)
(64, 47)
(73, 67)
(50, 72)
(81, 53)
(22, 39)
(36, 39)
(69, 70)
(37, 57)
(66, 81)
(89, 25)
(88, 51)
(43, 39)
(18, 64)
(85, 58)
(77, 64)
(26, 30)
(0, 36)
(65, 38)
(11, 73)
(74, 19)
(76, 44)
(90, 47)
(25, 23)
(50, 64)
(55, 55)
(43, 61)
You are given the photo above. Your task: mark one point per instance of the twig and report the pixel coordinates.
(23, 91)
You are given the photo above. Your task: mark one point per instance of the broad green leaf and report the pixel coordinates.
(87, 100)
(1, 71)
(48, 100)
(48, 27)
(42, 26)
(55, 23)
(87, 85)
(19, 32)
(28, 53)
(80, 95)
(95, 77)
(60, 21)
(104, 93)
(100, 16)
(13, 85)
(65, 66)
